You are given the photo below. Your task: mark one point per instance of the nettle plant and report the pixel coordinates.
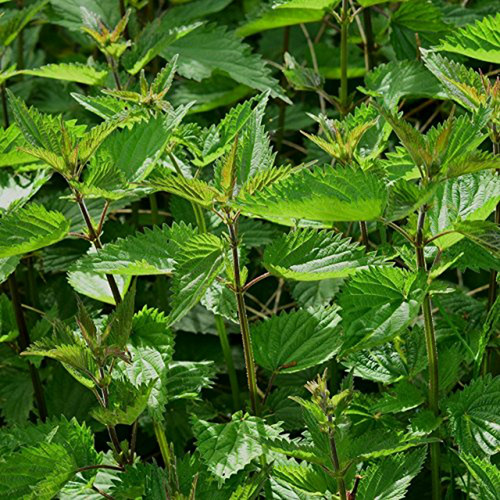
(198, 300)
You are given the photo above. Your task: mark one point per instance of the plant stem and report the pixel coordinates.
(97, 243)
(220, 326)
(243, 319)
(336, 464)
(161, 438)
(153, 204)
(344, 27)
(432, 355)
(228, 358)
(24, 341)
(364, 233)
(370, 44)
(282, 105)
(492, 290)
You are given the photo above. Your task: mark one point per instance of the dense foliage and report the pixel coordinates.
(249, 249)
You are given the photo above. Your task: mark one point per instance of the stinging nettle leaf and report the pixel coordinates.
(309, 255)
(474, 414)
(322, 194)
(71, 72)
(197, 266)
(377, 304)
(294, 341)
(31, 228)
(141, 254)
(228, 448)
(479, 40)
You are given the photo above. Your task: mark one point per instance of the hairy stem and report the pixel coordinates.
(432, 356)
(243, 320)
(364, 233)
(344, 27)
(336, 465)
(97, 243)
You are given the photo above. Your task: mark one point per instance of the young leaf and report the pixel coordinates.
(228, 448)
(71, 72)
(297, 340)
(485, 474)
(377, 304)
(309, 255)
(478, 40)
(13, 21)
(474, 416)
(30, 228)
(322, 194)
(390, 478)
(126, 403)
(197, 267)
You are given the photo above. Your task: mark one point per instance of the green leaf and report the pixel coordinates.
(96, 286)
(486, 475)
(13, 21)
(41, 458)
(218, 139)
(479, 40)
(321, 194)
(119, 325)
(462, 84)
(16, 190)
(213, 48)
(309, 255)
(398, 79)
(485, 234)
(10, 139)
(378, 304)
(197, 267)
(194, 190)
(140, 254)
(276, 14)
(474, 414)
(126, 403)
(77, 359)
(71, 72)
(186, 379)
(136, 150)
(468, 198)
(228, 448)
(30, 228)
(390, 478)
(8, 266)
(141, 480)
(393, 361)
(294, 341)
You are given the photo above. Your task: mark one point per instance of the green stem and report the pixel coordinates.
(344, 27)
(153, 204)
(243, 320)
(228, 358)
(370, 43)
(97, 243)
(220, 326)
(432, 356)
(282, 105)
(165, 451)
(492, 289)
(336, 465)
